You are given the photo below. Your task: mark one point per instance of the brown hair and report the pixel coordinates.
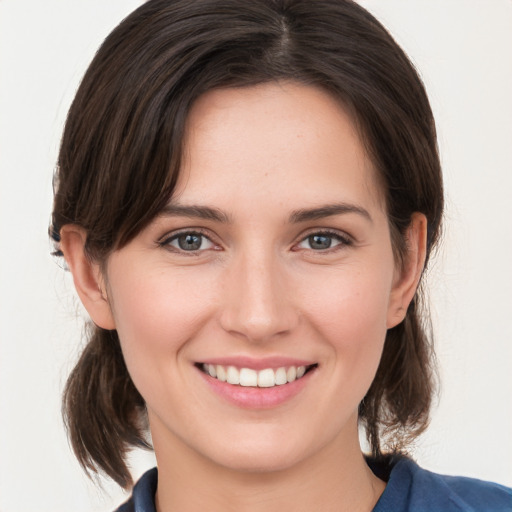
(121, 152)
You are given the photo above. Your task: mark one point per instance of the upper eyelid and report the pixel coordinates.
(326, 231)
(167, 242)
(182, 231)
(344, 241)
(341, 234)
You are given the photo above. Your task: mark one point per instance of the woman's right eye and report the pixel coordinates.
(189, 241)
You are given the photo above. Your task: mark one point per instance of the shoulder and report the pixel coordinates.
(143, 495)
(411, 488)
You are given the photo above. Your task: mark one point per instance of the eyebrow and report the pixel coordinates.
(197, 212)
(297, 216)
(328, 210)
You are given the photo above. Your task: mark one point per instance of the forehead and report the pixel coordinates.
(271, 139)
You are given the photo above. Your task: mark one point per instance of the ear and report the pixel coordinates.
(87, 276)
(408, 274)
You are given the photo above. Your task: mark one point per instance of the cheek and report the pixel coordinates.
(349, 301)
(350, 314)
(157, 313)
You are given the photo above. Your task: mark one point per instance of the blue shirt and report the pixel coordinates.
(409, 489)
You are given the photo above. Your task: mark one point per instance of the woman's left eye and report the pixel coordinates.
(189, 241)
(323, 241)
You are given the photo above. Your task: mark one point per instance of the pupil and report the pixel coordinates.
(320, 242)
(189, 242)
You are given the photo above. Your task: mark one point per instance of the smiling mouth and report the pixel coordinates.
(247, 377)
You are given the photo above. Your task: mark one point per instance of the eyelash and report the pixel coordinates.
(167, 240)
(343, 241)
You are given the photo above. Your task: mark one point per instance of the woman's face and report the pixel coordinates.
(273, 257)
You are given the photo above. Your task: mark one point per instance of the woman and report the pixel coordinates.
(247, 196)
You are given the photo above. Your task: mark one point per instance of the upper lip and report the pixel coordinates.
(258, 363)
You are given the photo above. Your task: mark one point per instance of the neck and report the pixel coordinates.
(335, 479)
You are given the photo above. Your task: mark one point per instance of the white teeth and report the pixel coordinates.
(221, 373)
(266, 378)
(248, 377)
(291, 374)
(232, 375)
(281, 376)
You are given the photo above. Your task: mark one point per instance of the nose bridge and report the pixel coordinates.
(257, 305)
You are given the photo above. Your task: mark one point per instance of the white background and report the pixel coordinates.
(463, 49)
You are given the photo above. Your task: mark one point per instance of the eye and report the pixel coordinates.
(323, 241)
(189, 241)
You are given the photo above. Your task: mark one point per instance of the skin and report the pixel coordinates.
(257, 288)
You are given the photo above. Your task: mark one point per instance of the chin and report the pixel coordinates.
(264, 454)
(260, 462)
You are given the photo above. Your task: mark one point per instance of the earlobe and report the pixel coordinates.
(409, 273)
(87, 276)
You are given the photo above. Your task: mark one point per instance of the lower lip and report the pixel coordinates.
(257, 398)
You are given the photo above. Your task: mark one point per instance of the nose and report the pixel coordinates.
(258, 305)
